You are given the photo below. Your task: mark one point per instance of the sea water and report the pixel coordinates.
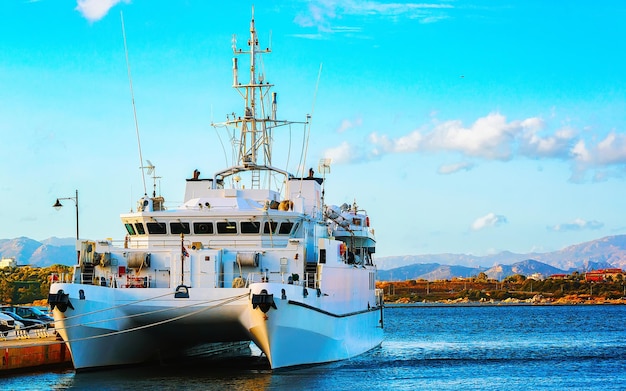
(485, 347)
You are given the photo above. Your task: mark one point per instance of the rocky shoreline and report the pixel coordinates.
(535, 300)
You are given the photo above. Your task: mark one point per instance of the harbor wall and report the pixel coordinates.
(20, 357)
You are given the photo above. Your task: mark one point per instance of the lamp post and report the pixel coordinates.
(58, 205)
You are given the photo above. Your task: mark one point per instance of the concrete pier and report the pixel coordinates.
(19, 354)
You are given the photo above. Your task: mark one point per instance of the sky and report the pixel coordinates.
(460, 126)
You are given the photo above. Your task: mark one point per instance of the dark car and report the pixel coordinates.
(30, 313)
(30, 324)
(7, 324)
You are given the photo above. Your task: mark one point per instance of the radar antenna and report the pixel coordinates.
(324, 168)
(150, 169)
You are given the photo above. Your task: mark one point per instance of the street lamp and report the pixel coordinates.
(58, 205)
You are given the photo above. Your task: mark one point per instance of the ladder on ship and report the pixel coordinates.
(310, 271)
(256, 179)
(86, 275)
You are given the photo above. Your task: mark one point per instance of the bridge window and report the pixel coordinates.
(226, 227)
(270, 227)
(157, 228)
(130, 229)
(250, 227)
(203, 228)
(285, 228)
(178, 228)
(140, 229)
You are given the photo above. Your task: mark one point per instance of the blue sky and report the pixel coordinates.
(461, 126)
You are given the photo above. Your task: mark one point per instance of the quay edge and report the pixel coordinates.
(35, 354)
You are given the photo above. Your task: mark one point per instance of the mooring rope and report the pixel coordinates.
(118, 306)
(148, 312)
(232, 299)
(224, 302)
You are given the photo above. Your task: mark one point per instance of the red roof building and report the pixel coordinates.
(602, 274)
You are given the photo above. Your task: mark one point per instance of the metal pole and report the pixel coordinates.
(77, 236)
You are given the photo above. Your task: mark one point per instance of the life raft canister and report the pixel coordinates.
(342, 249)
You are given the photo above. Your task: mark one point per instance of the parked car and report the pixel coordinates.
(6, 324)
(29, 324)
(30, 313)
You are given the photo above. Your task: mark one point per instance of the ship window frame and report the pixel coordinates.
(285, 231)
(210, 227)
(141, 230)
(130, 228)
(249, 227)
(226, 227)
(156, 228)
(179, 227)
(270, 224)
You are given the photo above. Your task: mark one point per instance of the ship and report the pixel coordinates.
(253, 255)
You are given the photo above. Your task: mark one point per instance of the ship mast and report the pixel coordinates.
(253, 143)
(254, 132)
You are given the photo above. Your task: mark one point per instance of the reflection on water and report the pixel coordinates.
(243, 373)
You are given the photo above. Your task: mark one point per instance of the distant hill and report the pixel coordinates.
(22, 249)
(435, 271)
(527, 268)
(428, 271)
(609, 251)
(51, 251)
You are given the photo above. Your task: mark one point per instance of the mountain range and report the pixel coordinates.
(605, 252)
(30, 252)
(435, 271)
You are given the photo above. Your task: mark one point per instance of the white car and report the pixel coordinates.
(6, 324)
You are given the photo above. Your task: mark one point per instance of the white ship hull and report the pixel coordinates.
(113, 327)
(300, 332)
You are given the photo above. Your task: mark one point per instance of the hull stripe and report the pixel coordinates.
(372, 309)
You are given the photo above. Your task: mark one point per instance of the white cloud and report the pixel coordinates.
(94, 10)
(606, 158)
(493, 137)
(347, 124)
(322, 13)
(577, 225)
(490, 137)
(611, 150)
(344, 153)
(489, 220)
(558, 145)
(455, 167)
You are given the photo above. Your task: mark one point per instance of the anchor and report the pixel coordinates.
(60, 300)
(264, 301)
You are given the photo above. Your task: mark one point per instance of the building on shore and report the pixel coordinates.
(7, 262)
(601, 275)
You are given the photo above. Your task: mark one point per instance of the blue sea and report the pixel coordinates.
(484, 347)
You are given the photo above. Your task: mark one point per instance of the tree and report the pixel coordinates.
(516, 278)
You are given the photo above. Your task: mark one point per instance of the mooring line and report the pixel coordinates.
(147, 313)
(119, 306)
(234, 298)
